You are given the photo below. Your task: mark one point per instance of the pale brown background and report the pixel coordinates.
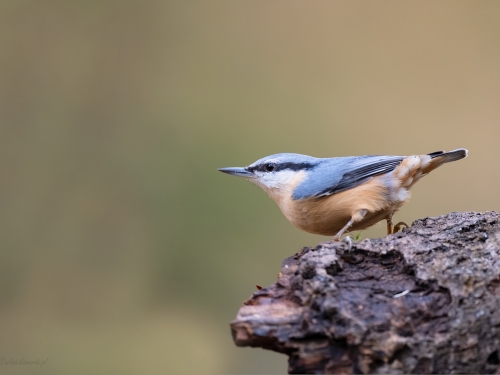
(122, 249)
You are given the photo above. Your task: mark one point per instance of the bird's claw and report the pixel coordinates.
(348, 241)
(398, 226)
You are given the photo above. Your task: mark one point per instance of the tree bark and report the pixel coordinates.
(425, 300)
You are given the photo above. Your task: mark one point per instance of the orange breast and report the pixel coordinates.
(327, 215)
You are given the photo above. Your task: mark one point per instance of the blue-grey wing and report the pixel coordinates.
(334, 175)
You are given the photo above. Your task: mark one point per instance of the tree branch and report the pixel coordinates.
(425, 300)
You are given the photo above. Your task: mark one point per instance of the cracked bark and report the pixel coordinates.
(425, 300)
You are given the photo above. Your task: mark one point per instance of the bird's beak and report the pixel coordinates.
(241, 172)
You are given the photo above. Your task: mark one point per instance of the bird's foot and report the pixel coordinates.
(398, 226)
(347, 240)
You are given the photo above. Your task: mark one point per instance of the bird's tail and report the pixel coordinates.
(438, 158)
(413, 168)
(450, 156)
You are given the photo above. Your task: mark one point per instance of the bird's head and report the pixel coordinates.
(276, 174)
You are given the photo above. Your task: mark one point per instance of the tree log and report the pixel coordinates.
(425, 300)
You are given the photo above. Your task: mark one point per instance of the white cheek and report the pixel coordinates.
(278, 180)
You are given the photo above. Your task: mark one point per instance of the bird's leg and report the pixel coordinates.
(358, 216)
(389, 225)
(341, 232)
(398, 226)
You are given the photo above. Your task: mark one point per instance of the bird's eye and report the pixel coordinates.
(270, 167)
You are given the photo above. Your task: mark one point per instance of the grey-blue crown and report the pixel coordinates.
(278, 162)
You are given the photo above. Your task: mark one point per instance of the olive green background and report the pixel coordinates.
(122, 249)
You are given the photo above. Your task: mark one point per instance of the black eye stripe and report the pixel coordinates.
(295, 166)
(281, 166)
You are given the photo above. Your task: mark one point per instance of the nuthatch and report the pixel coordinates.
(333, 196)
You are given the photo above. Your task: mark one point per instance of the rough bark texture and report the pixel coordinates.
(425, 300)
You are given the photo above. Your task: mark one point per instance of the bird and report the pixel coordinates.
(338, 195)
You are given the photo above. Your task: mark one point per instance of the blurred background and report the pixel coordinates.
(122, 249)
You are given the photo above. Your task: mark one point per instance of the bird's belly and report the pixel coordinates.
(328, 215)
(329, 223)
